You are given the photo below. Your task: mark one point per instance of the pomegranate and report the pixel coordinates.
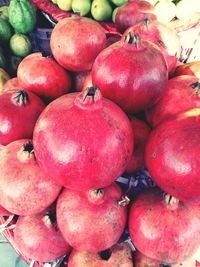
(77, 50)
(77, 209)
(141, 133)
(83, 141)
(171, 156)
(163, 36)
(190, 68)
(132, 73)
(11, 85)
(163, 228)
(133, 12)
(43, 76)
(140, 260)
(38, 238)
(182, 93)
(19, 112)
(26, 189)
(117, 255)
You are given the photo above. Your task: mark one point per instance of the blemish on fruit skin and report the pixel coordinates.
(154, 155)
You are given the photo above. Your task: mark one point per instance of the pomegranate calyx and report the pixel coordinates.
(28, 147)
(133, 38)
(147, 22)
(90, 91)
(21, 98)
(170, 201)
(124, 201)
(96, 195)
(196, 87)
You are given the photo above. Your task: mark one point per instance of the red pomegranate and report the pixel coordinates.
(10, 85)
(162, 228)
(141, 133)
(171, 156)
(132, 73)
(43, 76)
(37, 237)
(19, 112)
(133, 12)
(26, 189)
(83, 141)
(77, 50)
(190, 68)
(91, 220)
(117, 255)
(182, 93)
(163, 36)
(140, 260)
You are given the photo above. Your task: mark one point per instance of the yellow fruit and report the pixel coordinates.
(65, 5)
(4, 77)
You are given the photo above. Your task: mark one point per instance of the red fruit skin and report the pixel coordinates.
(140, 260)
(4, 212)
(120, 256)
(82, 144)
(133, 76)
(75, 210)
(163, 231)
(38, 239)
(11, 85)
(190, 68)
(161, 35)
(133, 12)
(19, 112)
(77, 50)
(141, 133)
(171, 156)
(180, 95)
(43, 76)
(26, 189)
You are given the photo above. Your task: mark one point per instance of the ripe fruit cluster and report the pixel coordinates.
(99, 108)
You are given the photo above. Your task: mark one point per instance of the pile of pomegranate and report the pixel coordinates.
(98, 109)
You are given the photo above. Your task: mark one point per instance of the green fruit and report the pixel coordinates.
(6, 30)
(4, 12)
(20, 45)
(2, 59)
(119, 2)
(22, 16)
(114, 14)
(81, 6)
(65, 5)
(101, 10)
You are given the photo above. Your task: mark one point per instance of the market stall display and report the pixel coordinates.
(99, 132)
